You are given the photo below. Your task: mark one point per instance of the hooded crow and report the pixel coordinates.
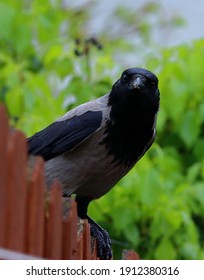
(94, 145)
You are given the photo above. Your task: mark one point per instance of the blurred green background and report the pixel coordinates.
(50, 63)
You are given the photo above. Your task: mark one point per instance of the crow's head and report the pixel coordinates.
(135, 84)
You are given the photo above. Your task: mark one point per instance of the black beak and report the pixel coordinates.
(137, 83)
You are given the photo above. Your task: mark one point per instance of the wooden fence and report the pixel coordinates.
(33, 224)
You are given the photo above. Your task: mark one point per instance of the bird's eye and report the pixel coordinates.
(152, 84)
(125, 78)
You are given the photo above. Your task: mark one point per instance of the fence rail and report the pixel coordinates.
(33, 224)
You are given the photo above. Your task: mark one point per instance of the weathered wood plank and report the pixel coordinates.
(3, 170)
(86, 241)
(16, 192)
(69, 240)
(130, 255)
(35, 209)
(53, 225)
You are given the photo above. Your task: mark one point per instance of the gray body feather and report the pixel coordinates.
(88, 179)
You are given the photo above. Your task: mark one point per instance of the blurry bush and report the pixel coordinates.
(49, 63)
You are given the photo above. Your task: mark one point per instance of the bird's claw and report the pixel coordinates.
(104, 251)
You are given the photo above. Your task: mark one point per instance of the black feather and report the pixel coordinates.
(62, 136)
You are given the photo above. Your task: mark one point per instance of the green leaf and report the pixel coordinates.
(7, 18)
(189, 127)
(165, 250)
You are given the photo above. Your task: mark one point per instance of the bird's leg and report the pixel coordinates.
(103, 240)
(104, 251)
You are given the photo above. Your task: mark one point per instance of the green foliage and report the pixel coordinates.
(48, 65)
(38, 61)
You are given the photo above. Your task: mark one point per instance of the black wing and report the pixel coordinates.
(62, 136)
